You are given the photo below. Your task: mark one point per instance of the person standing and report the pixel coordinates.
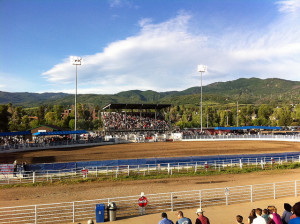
(285, 218)
(296, 210)
(164, 219)
(259, 219)
(182, 219)
(273, 216)
(201, 218)
(142, 204)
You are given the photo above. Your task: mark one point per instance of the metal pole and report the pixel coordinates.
(201, 102)
(237, 113)
(76, 100)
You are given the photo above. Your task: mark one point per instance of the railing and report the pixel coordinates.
(242, 137)
(114, 172)
(128, 206)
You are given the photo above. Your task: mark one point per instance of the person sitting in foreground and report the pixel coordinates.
(296, 210)
(239, 219)
(182, 219)
(164, 219)
(259, 219)
(201, 218)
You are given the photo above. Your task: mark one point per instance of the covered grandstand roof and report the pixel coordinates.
(135, 106)
(248, 127)
(15, 133)
(60, 133)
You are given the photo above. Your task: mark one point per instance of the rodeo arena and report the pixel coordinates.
(132, 128)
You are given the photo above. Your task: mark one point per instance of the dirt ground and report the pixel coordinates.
(148, 150)
(85, 191)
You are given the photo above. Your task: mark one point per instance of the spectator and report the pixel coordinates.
(265, 215)
(259, 219)
(287, 213)
(296, 210)
(90, 221)
(201, 218)
(182, 219)
(164, 219)
(239, 219)
(252, 216)
(273, 216)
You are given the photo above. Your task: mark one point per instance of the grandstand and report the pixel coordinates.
(139, 118)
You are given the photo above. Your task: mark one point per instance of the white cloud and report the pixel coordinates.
(164, 57)
(289, 6)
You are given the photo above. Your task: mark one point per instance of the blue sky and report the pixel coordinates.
(145, 44)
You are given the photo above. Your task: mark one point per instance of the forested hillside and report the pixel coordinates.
(246, 91)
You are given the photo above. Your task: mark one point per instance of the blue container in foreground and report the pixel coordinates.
(100, 208)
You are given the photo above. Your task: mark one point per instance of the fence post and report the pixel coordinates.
(35, 214)
(200, 195)
(33, 177)
(128, 170)
(47, 175)
(196, 167)
(117, 170)
(73, 212)
(168, 168)
(171, 201)
(96, 171)
(251, 194)
(295, 188)
(274, 190)
(148, 168)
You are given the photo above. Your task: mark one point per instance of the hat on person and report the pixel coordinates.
(142, 194)
(199, 210)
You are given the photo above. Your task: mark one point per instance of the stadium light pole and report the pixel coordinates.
(76, 61)
(201, 69)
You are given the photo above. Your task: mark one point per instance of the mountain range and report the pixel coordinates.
(246, 91)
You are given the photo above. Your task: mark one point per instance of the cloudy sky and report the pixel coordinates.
(145, 44)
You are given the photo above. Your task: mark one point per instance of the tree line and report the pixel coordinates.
(17, 118)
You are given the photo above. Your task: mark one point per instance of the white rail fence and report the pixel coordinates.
(128, 206)
(292, 138)
(262, 162)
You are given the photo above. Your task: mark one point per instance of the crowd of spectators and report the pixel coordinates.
(13, 140)
(127, 121)
(291, 215)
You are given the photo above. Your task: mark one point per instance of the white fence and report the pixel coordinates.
(290, 138)
(128, 206)
(262, 162)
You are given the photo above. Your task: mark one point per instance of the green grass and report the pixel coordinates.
(150, 176)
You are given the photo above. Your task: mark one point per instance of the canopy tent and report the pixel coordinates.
(247, 127)
(60, 133)
(15, 133)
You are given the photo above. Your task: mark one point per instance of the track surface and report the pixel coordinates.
(148, 150)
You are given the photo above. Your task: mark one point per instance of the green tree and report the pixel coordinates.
(4, 118)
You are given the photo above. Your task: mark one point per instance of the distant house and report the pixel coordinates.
(66, 113)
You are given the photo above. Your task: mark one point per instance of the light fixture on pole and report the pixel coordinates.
(201, 69)
(76, 61)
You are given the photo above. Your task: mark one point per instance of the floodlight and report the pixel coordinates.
(75, 60)
(202, 68)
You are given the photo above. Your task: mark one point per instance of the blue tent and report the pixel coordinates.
(15, 133)
(60, 133)
(248, 127)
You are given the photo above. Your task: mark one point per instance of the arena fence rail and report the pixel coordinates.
(7, 176)
(78, 211)
(292, 138)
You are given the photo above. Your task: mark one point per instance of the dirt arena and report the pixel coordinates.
(149, 150)
(85, 191)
